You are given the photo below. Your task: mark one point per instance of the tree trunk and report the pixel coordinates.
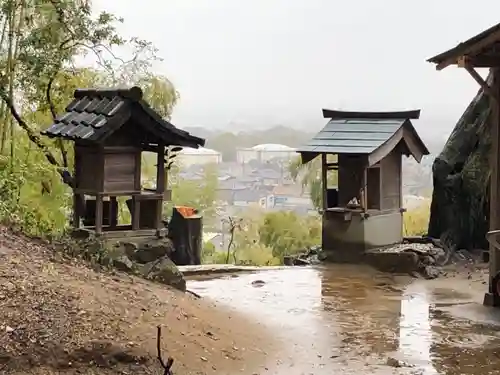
(461, 174)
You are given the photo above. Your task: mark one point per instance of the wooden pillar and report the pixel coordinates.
(98, 213)
(324, 180)
(136, 208)
(495, 175)
(160, 185)
(137, 171)
(160, 169)
(364, 184)
(113, 214)
(76, 209)
(136, 212)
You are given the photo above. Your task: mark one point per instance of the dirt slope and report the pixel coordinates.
(57, 317)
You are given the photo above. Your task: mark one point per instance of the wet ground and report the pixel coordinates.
(352, 320)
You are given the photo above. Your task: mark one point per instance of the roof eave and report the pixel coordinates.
(409, 136)
(392, 115)
(469, 47)
(182, 137)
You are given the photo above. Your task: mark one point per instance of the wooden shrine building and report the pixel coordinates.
(365, 209)
(483, 51)
(110, 130)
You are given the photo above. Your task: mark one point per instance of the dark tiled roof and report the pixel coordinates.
(358, 132)
(269, 173)
(230, 185)
(248, 195)
(95, 114)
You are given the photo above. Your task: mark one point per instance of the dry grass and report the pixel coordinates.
(57, 317)
(416, 220)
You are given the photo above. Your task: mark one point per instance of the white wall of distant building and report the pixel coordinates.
(265, 152)
(198, 156)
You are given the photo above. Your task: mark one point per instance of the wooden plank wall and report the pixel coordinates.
(351, 170)
(88, 168)
(373, 188)
(391, 181)
(119, 172)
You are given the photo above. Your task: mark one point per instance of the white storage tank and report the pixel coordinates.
(265, 152)
(198, 156)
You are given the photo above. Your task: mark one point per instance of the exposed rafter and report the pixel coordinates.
(480, 80)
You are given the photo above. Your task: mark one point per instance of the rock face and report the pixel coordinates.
(164, 271)
(460, 200)
(412, 258)
(147, 251)
(146, 258)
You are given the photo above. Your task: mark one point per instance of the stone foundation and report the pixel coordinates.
(394, 262)
(144, 257)
(407, 258)
(348, 234)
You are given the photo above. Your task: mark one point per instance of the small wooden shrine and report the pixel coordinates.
(110, 130)
(365, 209)
(483, 51)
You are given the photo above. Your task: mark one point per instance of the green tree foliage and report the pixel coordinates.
(207, 252)
(257, 255)
(264, 239)
(286, 233)
(160, 93)
(309, 176)
(198, 194)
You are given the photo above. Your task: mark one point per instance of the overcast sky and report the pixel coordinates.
(267, 62)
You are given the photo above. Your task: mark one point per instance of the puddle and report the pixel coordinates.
(353, 320)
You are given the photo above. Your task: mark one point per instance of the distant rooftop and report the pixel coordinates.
(272, 147)
(198, 151)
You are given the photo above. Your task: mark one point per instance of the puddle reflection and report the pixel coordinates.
(415, 331)
(356, 320)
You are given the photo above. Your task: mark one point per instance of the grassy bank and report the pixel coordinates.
(416, 220)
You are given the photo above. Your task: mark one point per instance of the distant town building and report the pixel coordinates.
(265, 152)
(198, 156)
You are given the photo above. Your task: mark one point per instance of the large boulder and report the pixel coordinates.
(164, 271)
(461, 173)
(150, 250)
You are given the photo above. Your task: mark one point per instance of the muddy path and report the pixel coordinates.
(358, 321)
(61, 317)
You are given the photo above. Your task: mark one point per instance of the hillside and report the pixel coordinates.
(63, 318)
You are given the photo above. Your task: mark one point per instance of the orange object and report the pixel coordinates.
(185, 211)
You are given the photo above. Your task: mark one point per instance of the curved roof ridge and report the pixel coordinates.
(413, 114)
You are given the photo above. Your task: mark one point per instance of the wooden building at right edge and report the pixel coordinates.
(363, 207)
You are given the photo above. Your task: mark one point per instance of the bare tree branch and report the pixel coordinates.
(60, 143)
(170, 361)
(233, 225)
(35, 138)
